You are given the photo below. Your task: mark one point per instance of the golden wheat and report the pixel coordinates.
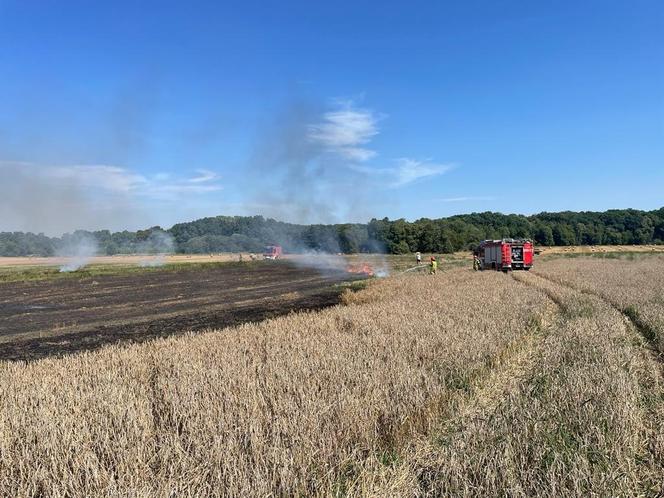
(635, 286)
(584, 419)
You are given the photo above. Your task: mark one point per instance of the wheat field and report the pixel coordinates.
(462, 383)
(635, 286)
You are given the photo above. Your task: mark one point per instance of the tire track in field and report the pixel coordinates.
(511, 367)
(630, 317)
(642, 346)
(487, 389)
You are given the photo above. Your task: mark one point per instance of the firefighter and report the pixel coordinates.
(418, 257)
(433, 266)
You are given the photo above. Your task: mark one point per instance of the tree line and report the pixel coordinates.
(444, 235)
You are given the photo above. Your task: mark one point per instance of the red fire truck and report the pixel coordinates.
(505, 254)
(272, 252)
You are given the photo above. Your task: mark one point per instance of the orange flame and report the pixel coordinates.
(361, 269)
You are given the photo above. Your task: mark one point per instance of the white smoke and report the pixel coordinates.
(335, 263)
(79, 248)
(322, 261)
(158, 246)
(380, 266)
(304, 165)
(306, 169)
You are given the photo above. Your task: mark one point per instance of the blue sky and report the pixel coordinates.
(122, 114)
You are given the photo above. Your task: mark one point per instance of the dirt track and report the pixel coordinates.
(44, 318)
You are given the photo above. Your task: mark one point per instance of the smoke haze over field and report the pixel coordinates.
(57, 199)
(34, 200)
(158, 246)
(79, 248)
(313, 163)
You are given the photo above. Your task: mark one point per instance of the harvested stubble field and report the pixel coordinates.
(457, 384)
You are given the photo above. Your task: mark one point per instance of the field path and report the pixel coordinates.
(510, 369)
(630, 318)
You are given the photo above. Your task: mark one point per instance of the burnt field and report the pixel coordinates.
(65, 315)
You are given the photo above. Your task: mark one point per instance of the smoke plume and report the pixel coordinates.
(309, 167)
(158, 246)
(304, 166)
(79, 248)
(321, 261)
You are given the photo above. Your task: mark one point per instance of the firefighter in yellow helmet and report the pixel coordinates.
(433, 266)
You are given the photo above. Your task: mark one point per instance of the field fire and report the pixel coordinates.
(361, 269)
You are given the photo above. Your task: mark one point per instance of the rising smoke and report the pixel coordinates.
(304, 167)
(53, 200)
(321, 261)
(328, 263)
(308, 168)
(79, 248)
(156, 249)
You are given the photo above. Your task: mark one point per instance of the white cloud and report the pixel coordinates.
(405, 172)
(178, 188)
(344, 131)
(116, 180)
(465, 199)
(204, 176)
(205, 181)
(347, 130)
(110, 178)
(410, 170)
(358, 154)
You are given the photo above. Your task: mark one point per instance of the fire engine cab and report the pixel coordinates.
(272, 252)
(505, 255)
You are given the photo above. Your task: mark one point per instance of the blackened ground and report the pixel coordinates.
(60, 316)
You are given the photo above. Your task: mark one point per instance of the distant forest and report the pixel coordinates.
(445, 235)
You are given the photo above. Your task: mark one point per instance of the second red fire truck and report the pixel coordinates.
(272, 252)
